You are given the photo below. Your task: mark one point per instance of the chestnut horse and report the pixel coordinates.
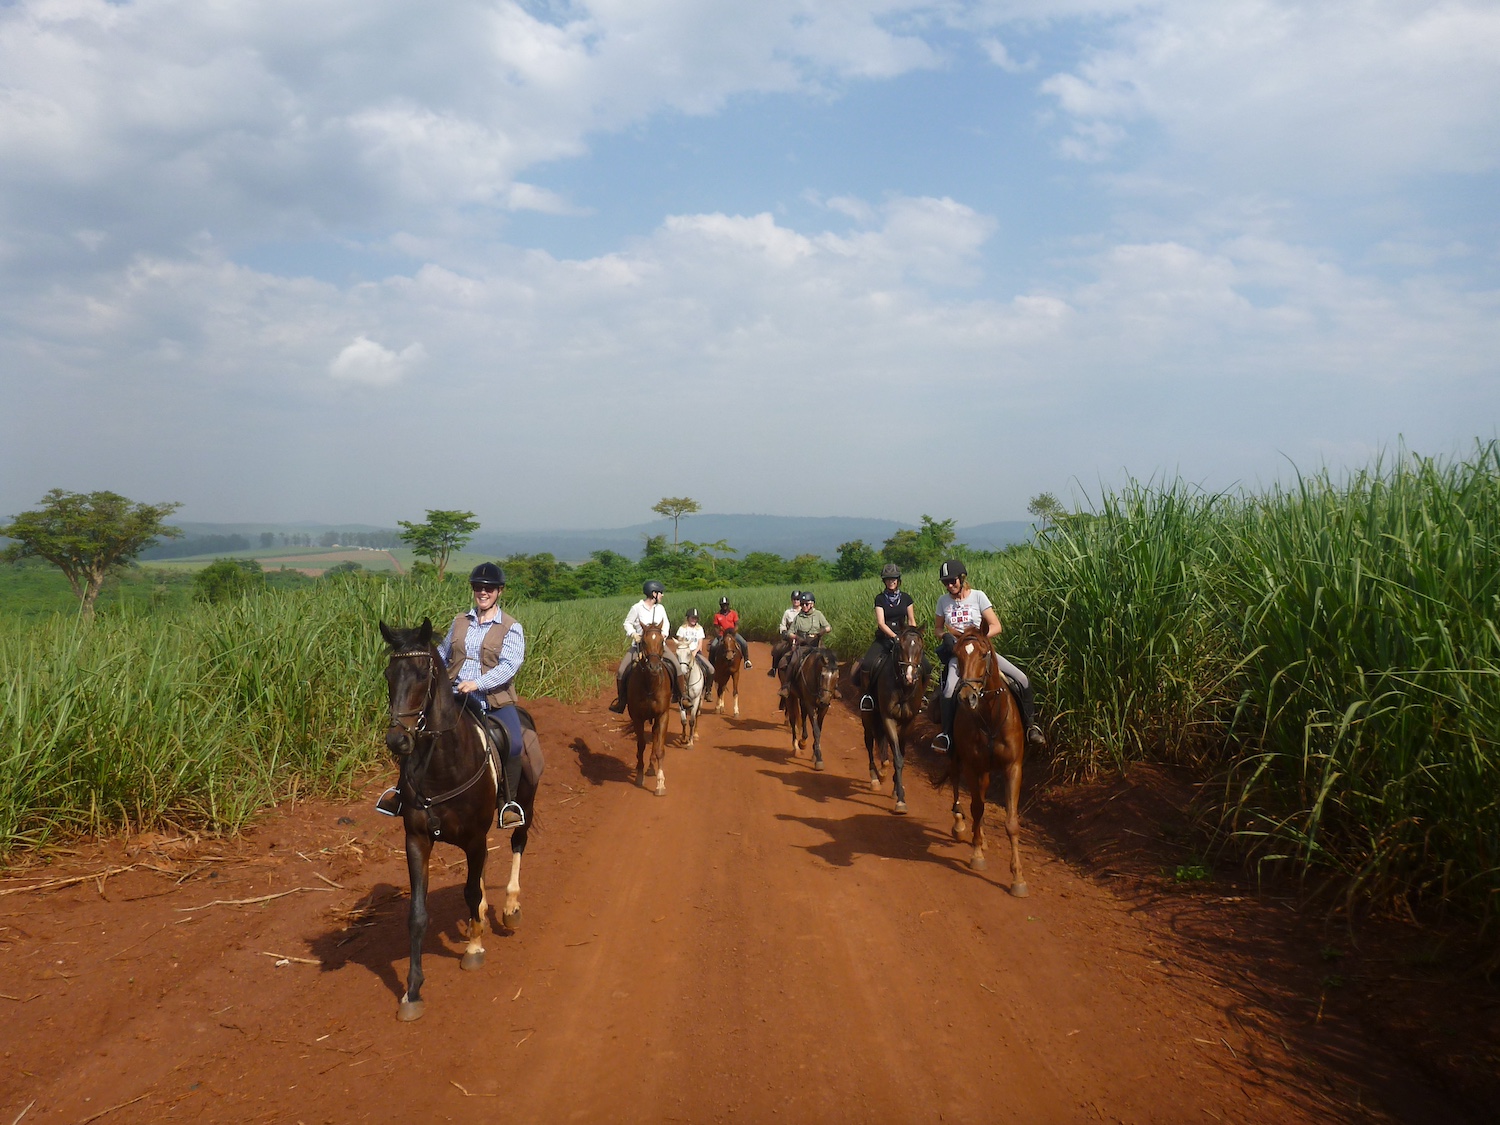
(812, 680)
(648, 699)
(448, 786)
(729, 658)
(987, 735)
(898, 689)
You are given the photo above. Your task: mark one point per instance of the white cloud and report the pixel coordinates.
(1292, 92)
(365, 361)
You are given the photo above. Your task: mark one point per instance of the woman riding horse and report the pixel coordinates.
(647, 611)
(893, 608)
(807, 630)
(482, 653)
(962, 608)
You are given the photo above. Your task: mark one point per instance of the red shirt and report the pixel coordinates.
(726, 621)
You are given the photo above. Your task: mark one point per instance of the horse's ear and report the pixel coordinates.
(424, 638)
(385, 631)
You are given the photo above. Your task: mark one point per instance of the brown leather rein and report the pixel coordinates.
(420, 729)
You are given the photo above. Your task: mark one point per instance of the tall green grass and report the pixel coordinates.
(203, 717)
(1331, 649)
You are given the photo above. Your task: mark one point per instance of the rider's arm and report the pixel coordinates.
(911, 615)
(880, 624)
(445, 647)
(512, 652)
(992, 624)
(633, 621)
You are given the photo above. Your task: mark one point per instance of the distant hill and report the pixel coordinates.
(787, 536)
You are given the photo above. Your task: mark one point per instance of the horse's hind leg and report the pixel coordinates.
(817, 731)
(418, 849)
(640, 753)
(659, 755)
(956, 773)
(473, 957)
(870, 739)
(736, 695)
(511, 914)
(1013, 827)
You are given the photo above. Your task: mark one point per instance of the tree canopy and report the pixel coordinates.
(911, 548)
(442, 533)
(1045, 507)
(86, 535)
(674, 508)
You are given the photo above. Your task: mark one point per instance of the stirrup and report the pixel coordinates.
(941, 743)
(748, 665)
(867, 702)
(1035, 738)
(618, 707)
(516, 814)
(389, 803)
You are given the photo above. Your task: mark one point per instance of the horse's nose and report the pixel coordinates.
(397, 741)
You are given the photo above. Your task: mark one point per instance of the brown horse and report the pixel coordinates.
(898, 689)
(729, 658)
(448, 789)
(987, 735)
(648, 699)
(813, 680)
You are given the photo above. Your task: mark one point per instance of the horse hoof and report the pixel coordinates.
(818, 764)
(410, 1010)
(977, 863)
(661, 790)
(874, 785)
(1019, 890)
(472, 961)
(640, 779)
(510, 919)
(900, 808)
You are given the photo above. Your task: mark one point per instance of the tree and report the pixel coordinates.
(267, 538)
(857, 559)
(225, 580)
(86, 535)
(1044, 506)
(910, 549)
(443, 533)
(674, 508)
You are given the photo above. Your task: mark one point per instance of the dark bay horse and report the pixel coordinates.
(987, 735)
(448, 786)
(729, 658)
(812, 682)
(898, 689)
(648, 699)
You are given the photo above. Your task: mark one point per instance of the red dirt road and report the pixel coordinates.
(763, 944)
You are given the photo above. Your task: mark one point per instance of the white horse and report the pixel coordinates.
(694, 683)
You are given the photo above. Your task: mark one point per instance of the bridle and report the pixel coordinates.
(907, 670)
(420, 726)
(420, 729)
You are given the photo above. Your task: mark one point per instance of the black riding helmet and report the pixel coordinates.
(487, 573)
(692, 612)
(723, 603)
(953, 568)
(890, 570)
(652, 586)
(807, 598)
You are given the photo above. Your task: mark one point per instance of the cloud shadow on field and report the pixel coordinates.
(600, 768)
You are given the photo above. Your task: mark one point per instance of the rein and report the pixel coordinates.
(421, 730)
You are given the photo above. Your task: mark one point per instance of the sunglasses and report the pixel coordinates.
(483, 587)
(953, 581)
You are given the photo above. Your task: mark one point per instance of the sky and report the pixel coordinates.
(549, 261)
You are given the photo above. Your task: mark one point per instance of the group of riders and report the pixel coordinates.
(485, 646)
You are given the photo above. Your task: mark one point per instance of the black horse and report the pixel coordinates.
(812, 679)
(898, 687)
(448, 785)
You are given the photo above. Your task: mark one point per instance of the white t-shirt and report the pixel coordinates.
(963, 613)
(689, 637)
(644, 613)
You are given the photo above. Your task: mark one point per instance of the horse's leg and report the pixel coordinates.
(640, 752)
(955, 771)
(817, 725)
(659, 754)
(979, 785)
(736, 678)
(719, 686)
(871, 737)
(1013, 824)
(898, 762)
(418, 850)
(532, 765)
(476, 853)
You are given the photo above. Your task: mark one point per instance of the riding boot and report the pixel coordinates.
(745, 650)
(510, 814)
(618, 706)
(1027, 699)
(948, 707)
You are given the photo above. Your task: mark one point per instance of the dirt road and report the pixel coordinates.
(765, 943)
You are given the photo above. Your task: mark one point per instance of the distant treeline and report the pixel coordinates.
(267, 540)
(699, 566)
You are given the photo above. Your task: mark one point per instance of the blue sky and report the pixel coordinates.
(549, 262)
